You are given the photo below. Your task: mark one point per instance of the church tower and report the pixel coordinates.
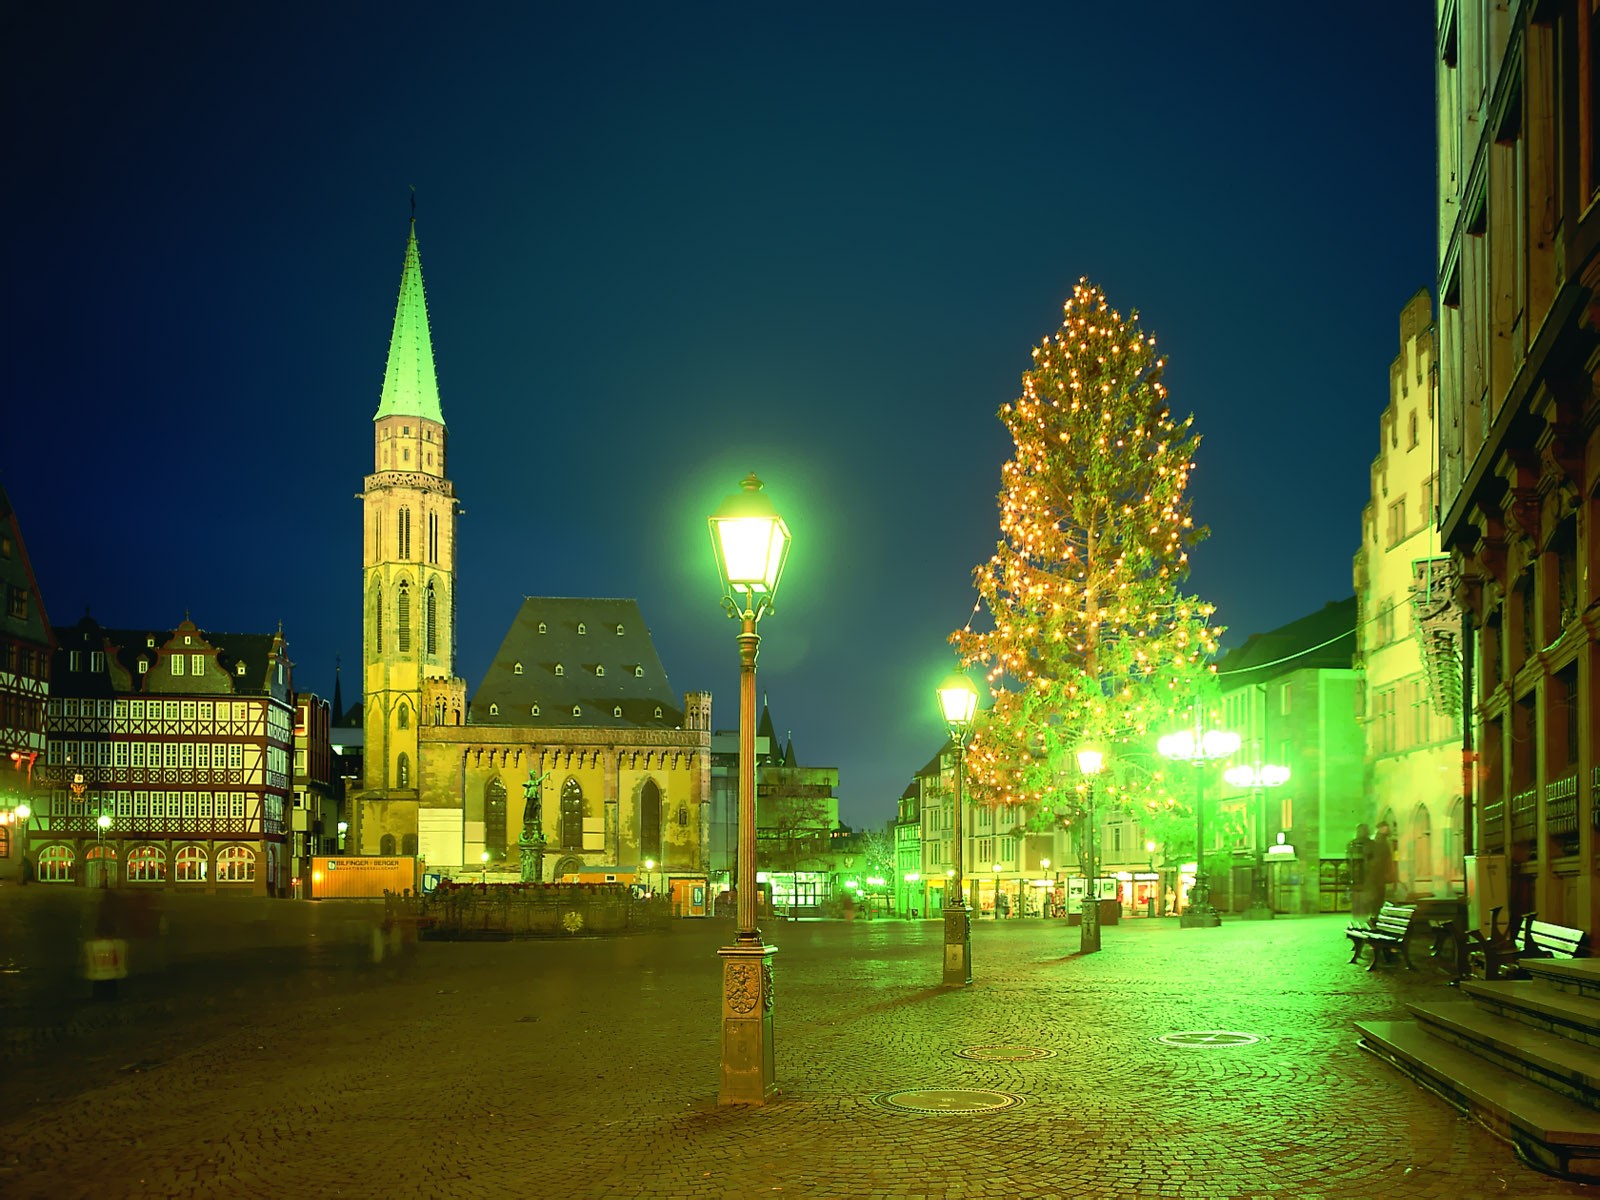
(408, 556)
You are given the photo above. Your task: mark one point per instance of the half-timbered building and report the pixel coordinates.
(167, 761)
(25, 642)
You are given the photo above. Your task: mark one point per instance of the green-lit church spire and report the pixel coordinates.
(410, 387)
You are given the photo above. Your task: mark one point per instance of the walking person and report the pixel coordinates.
(1357, 851)
(1380, 866)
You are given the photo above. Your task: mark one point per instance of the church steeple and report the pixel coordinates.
(410, 386)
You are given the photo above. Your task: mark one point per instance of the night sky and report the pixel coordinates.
(668, 245)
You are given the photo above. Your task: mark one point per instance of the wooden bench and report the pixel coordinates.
(1387, 933)
(1496, 955)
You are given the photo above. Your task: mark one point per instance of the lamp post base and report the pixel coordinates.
(747, 1052)
(957, 946)
(1258, 912)
(1199, 917)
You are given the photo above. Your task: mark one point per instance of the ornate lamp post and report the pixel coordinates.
(958, 703)
(1090, 761)
(1260, 778)
(1198, 749)
(649, 872)
(1049, 888)
(102, 823)
(752, 544)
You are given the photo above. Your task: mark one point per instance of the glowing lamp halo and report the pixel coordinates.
(751, 542)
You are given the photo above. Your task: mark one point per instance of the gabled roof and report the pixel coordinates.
(1324, 640)
(16, 572)
(562, 654)
(255, 653)
(410, 387)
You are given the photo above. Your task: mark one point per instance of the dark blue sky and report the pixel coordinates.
(667, 245)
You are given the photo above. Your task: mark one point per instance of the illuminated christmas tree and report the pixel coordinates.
(1092, 641)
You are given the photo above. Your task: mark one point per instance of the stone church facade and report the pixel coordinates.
(574, 729)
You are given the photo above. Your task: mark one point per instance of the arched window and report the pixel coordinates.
(190, 865)
(403, 619)
(147, 864)
(55, 865)
(650, 819)
(377, 615)
(405, 533)
(403, 717)
(430, 622)
(571, 815)
(408, 844)
(438, 711)
(494, 818)
(236, 864)
(386, 844)
(402, 773)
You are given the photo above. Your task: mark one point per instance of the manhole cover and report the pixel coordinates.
(1004, 1053)
(1208, 1039)
(948, 1100)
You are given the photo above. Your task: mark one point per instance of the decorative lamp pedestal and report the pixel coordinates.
(747, 1071)
(957, 946)
(1257, 912)
(1201, 917)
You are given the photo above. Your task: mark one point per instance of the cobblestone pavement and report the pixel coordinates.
(588, 1068)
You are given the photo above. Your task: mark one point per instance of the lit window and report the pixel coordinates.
(582, 628)
(600, 672)
(576, 711)
(239, 670)
(197, 664)
(560, 670)
(541, 627)
(179, 664)
(536, 710)
(619, 630)
(236, 864)
(494, 710)
(516, 668)
(658, 710)
(617, 711)
(638, 672)
(144, 665)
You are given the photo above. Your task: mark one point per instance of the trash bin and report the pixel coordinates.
(1150, 905)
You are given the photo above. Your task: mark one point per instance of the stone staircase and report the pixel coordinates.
(1520, 1055)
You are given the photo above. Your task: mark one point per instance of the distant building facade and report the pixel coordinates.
(1408, 628)
(314, 812)
(1291, 695)
(25, 659)
(573, 741)
(167, 761)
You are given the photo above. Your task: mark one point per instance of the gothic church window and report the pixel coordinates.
(650, 819)
(438, 711)
(377, 615)
(405, 531)
(403, 773)
(403, 619)
(494, 818)
(403, 717)
(571, 815)
(430, 622)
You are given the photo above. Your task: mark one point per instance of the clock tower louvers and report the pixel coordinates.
(408, 546)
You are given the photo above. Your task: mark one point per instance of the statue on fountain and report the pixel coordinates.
(531, 841)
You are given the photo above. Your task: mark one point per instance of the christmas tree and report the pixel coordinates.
(1092, 639)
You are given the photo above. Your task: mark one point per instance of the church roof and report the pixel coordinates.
(410, 387)
(577, 662)
(24, 617)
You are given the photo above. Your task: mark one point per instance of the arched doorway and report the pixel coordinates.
(571, 815)
(1419, 849)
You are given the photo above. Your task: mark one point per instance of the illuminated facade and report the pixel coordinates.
(167, 762)
(313, 814)
(575, 698)
(1518, 98)
(25, 646)
(1408, 628)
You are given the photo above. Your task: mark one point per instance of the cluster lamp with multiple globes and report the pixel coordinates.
(751, 543)
(1261, 778)
(1198, 749)
(958, 705)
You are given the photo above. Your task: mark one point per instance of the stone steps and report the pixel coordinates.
(1552, 1131)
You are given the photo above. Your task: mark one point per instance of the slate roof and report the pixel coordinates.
(595, 656)
(125, 647)
(1324, 639)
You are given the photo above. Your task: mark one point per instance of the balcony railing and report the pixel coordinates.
(1561, 805)
(1525, 815)
(1494, 826)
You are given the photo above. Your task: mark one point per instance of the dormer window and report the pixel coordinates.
(619, 630)
(144, 665)
(535, 710)
(600, 672)
(617, 711)
(494, 710)
(560, 670)
(541, 627)
(187, 639)
(582, 628)
(150, 643)
(638, 672)
(658, 710)
(576, 711)
(239, 670)
(516, 668)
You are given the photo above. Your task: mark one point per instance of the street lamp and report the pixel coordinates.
(751, 543)
(1090, 760)
(484, 859)
(344, 828)
(102, 823)
(1198, 749)
(1049, 888)
(649, 866)
(958, 703)
(1260, 777)
(996, 868)
(24, 817)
